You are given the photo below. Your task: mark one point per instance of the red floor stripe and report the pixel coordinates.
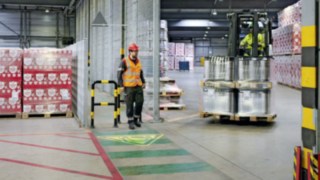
(113, 170)
(40, 134)
(77, 137)
(48, 147)
(55, 168)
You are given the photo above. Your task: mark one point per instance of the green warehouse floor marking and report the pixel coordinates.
(148, 153)
(105, 142)
(165, 168)
(134, 139)
(113, 133)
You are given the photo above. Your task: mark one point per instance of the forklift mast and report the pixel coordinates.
(239, 27)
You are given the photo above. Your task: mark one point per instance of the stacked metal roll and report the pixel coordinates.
(253, 89)
(219, 68)
(253, 70)
(218, 88)
(237, 87)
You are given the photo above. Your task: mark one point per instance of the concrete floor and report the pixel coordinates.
(183, 147)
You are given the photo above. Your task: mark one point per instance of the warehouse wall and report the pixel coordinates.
(211, 47)
(105, 42)
(37, 28)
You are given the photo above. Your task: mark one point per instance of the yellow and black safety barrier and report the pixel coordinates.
(313, 167)
(297, 163)
(116, 103)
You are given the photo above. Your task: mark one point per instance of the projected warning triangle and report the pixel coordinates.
(139, 139)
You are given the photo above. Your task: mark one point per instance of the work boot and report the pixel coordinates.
(131, 125)
(136, 122)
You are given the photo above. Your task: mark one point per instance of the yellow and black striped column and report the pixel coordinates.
(309, 68)
(297, 163)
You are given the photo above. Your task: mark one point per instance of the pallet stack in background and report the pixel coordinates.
(169, 93)
(180, 53)
(10, 81)
(285, 68)
(164, 43)
(47, 83)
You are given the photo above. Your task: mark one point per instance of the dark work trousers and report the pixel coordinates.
(134, 101)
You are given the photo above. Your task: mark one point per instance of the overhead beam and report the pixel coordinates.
(219, 10)
(70, 7)
(56, 3)
(237, 4)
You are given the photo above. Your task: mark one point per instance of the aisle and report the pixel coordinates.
(270, 145)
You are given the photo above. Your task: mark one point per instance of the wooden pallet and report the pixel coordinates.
(68, 114)
(217, 116)
(17, 116)
(218, 84)
(254, 118)
(253, 84)
(171, 94)
(162, 80)
(172, 107)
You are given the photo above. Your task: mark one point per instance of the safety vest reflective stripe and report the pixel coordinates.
(128, 73)
(131, 80)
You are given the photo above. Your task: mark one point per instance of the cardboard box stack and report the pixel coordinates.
(164, 43)
(47, 83)
(285, 68)
(171, 55)
(189, 54)
(182, 52)
(10, 80)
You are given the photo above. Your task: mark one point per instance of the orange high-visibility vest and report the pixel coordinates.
(131, 77)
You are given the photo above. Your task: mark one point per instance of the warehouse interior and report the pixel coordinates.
(209, 111)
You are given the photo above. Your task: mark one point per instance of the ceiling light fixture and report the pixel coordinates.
(47, 10)
(226, 35)
(206, 32)
(205, 35)
(214, 12)
(208, 28)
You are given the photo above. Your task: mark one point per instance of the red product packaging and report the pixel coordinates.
(10, 80)
(47, 81)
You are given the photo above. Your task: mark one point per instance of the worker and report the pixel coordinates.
(132, 82)
(247, 42)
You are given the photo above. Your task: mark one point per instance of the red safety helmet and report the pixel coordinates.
(133, 47)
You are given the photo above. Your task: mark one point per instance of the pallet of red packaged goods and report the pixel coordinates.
(219, 116)
(47, 59)
(10, 107)
(41, 79)
(47, 109)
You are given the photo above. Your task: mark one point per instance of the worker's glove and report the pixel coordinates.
(143, 86)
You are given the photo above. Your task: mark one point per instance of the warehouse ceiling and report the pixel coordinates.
(67, 6)
(191, 19)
